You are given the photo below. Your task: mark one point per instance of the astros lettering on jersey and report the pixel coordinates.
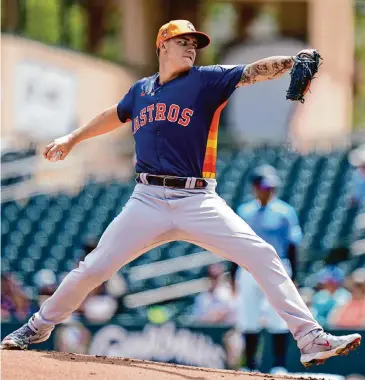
(185, 110)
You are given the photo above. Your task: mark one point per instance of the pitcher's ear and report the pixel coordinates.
(163, 45)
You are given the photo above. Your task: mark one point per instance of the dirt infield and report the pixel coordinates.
(44, 365)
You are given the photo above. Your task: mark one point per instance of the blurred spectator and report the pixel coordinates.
(352, 314)
(73, 337)
(234, 345)
(14, 301)
(331, 293)
(46, 283)
(276, 222)
(357, 159)
(218, 304)
(99, 306)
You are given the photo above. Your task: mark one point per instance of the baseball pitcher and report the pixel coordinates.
(175, 117)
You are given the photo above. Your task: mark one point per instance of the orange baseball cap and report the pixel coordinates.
(176, 28)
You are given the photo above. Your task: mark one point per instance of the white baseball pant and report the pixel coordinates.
(155, 215)
(254, 311)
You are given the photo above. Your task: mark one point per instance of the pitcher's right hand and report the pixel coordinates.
(59, 148)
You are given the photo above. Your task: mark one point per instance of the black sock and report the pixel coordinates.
(280, 344)
(252, 341)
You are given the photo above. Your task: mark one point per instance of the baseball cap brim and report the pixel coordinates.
(203, 39)
(265, 177)
(269, 182)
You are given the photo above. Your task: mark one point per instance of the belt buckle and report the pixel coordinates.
(200, 183)
(164, 182)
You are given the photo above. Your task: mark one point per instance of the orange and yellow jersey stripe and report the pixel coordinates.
(210, 159)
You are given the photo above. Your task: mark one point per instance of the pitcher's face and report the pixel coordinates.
(180, 52)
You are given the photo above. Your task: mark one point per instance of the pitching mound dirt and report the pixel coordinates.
(36, 365)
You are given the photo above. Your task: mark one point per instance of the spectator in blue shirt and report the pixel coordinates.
(277, 223)
(331, 294)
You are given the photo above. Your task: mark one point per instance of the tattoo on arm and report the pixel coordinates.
(265, 69)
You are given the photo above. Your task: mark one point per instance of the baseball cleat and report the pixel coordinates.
(324, 346)
(25, 335)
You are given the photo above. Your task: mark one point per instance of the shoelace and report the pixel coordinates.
(314, 337)
(323, 335)
(24, 332)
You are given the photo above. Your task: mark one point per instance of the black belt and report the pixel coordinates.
(173, 182)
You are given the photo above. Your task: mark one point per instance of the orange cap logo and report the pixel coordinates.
(191, 26)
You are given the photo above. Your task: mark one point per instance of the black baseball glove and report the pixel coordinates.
(302, 73)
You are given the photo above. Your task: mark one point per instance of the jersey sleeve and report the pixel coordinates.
(222, 78)
(294, 230)
(125, 106)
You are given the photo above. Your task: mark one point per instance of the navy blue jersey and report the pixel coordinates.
(175, 125)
